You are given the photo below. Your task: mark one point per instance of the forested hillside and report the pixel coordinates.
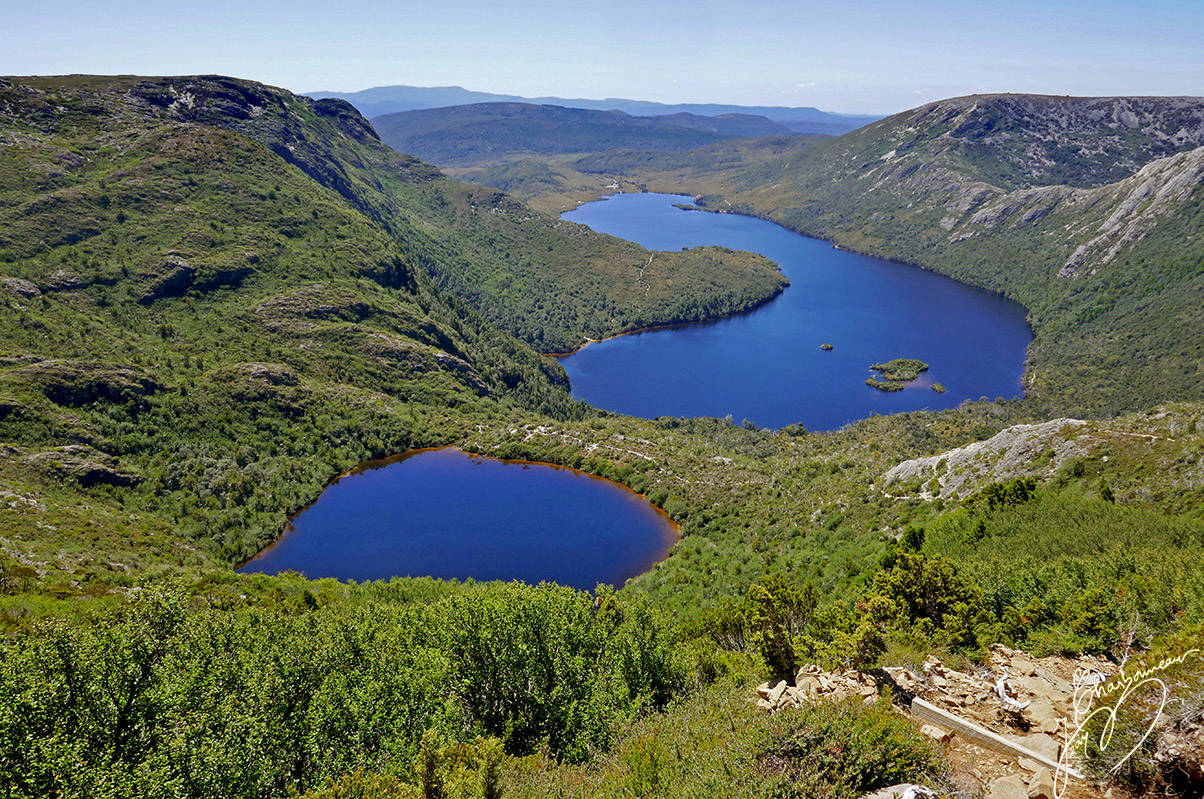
(479, 245)
(472, 134)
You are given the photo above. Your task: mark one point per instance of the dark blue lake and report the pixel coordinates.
(444, 513)
(767, 365)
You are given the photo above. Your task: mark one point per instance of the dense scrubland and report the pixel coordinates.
(217, 296)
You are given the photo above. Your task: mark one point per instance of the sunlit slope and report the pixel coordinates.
(1087, 210)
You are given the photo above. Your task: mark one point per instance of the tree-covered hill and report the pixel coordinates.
(464, 135)
(478, 245)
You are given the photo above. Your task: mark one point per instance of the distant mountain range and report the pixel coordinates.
(485, 132)
(381, 100)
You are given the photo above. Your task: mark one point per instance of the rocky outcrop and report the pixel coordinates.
(345, 113)
(268, 374)
(813, 684)
(1014, 697)
(409, 355)
(64, 280)
(272, 383)
(175, 276)
(1160, 188)
(1108, 218)
(173, 279)
(83, 464)
(19, 287)
(79, 383)
(1020, 451)
(314, 301)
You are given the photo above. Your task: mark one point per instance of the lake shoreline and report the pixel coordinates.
(694, 206)
(675, 325)
(373, 464)
(831, 303)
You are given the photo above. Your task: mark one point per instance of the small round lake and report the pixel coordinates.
(767, 366)
(445, 513)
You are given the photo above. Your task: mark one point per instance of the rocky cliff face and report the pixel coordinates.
(1109, 217)
(1102, 170)
(1021, 141)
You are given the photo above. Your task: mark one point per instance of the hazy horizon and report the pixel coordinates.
(871, 57)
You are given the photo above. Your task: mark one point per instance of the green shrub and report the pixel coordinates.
(839, 750)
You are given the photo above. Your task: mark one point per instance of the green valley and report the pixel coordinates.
(217, 296)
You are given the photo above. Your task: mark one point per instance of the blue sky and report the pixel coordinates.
(850, 56)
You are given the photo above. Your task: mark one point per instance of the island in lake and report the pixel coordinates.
(893, 374)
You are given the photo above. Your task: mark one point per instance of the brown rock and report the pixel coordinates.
(809, 685)
(776, 693)
(1010, 787)
(1041, 785)
(1040, 743)
(1041, 714)
(938, 734)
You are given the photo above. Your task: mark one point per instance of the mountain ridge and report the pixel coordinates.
(380, 100)
(483, 132)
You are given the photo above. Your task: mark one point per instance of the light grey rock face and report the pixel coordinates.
(22, 288)
(1011, 453)
(83, 464)
(1074, 141)
(1170, 437)
(1091, 176)
(1158, 190)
